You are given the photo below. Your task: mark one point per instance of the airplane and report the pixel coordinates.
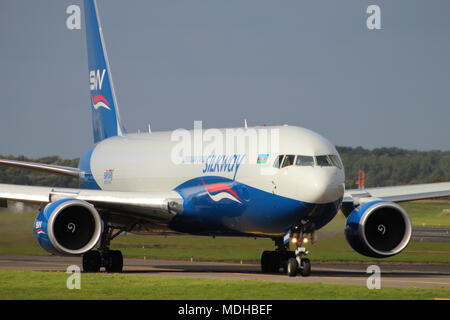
(129, 182)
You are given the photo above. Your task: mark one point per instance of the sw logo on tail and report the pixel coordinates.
(96, 80)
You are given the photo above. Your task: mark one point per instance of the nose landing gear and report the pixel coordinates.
(299, 264)
(292, 262)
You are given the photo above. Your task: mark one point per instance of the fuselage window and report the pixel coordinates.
(304, 161)
(288, 160)
(323, 161)
(278, 161)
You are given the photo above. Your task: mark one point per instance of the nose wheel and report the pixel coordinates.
(292, 262)
(294, 267)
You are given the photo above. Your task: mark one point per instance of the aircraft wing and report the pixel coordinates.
(151, 204)
(397, 193)
(50, 168)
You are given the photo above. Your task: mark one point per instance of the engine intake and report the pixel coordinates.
(378, 229)
(68, 227)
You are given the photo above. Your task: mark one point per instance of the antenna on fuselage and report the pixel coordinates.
(149, 128)
(245, 123)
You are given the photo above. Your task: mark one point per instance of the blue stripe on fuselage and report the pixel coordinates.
(257, 212)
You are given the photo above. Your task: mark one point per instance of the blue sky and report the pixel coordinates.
(308, 63)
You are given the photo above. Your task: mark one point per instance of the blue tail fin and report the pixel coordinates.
(105, 112)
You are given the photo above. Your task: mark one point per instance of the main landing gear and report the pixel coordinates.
(111, 260)
(292, 262)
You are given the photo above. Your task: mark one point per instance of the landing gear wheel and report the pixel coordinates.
(115, 261)
(270, 261)
(92, 261)
(285, 256)
(305, 267)
(292, 267)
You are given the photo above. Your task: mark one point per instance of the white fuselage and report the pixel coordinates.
(144, 162)
(226, 188)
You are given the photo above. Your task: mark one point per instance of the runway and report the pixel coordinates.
(392, 275)
(431, 234)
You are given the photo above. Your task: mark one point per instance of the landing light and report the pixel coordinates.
(305, 240)
(294, 240)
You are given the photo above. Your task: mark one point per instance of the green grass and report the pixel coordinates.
(428, 213)
(16, 234)
(52, 285)
(198, 248)
(16, 237)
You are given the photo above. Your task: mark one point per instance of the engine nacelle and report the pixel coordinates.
(378, 229)
(68, 227)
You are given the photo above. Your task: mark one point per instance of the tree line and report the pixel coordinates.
(37, 178)
(382, 167)
(394, 166)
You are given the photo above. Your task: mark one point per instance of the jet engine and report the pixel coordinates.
(68, 227)
(378, 229)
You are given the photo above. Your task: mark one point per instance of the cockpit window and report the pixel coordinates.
(330, 160)
(304, 161)
(324, 161)
(288, 160)
(278, 161)
(335, 160)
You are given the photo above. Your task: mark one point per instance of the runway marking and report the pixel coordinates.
(388, 272)
(37, 262)
(339, 278)
(415, 281)
(140, 268)
(428, 252)
(57, 264)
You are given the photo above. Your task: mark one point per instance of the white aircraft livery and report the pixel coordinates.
(160, 182)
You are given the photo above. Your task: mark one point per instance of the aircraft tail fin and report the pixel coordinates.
(105, 112)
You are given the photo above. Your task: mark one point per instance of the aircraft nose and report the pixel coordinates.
(327, 187)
